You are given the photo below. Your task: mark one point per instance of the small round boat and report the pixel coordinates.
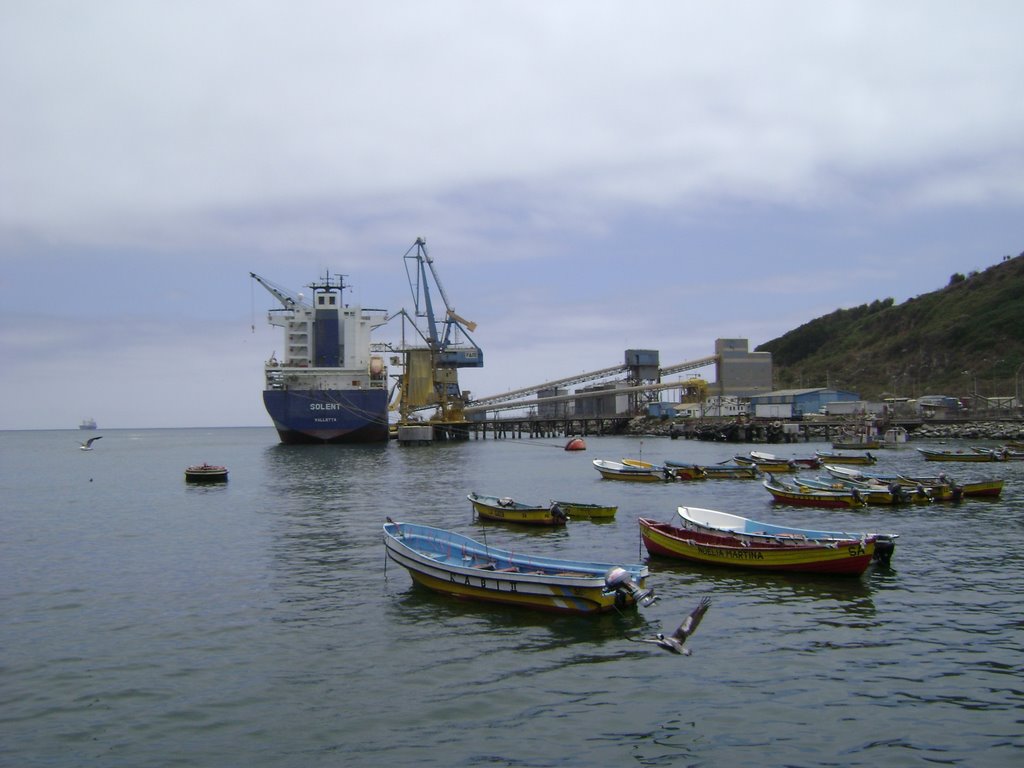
(206, 473)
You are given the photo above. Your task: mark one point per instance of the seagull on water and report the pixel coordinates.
(87, 445)
(674, 642)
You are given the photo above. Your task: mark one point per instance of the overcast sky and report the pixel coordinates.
(589, 177)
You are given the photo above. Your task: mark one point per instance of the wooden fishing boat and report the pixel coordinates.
(509, 510)
(206, 473)
(453, 564)
(856, 445)
(731, 472)
(754, 531)
(767, 466)
(577, 510)
(784, 493)
(687, 471)
(864, 459)
(839, 556)
(1002, 453)
(959, 455)
(939, 487)
(858, 475)
(714, 471)
(871, 492)
(945, 488)
(666, 472)
(616, 470)
(812, 462)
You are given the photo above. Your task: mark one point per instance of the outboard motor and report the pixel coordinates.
(884, 547)
(558, 513)
(617, 582)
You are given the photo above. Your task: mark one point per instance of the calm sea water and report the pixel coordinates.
(146, 622)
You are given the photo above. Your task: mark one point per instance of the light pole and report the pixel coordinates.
(1016, 384)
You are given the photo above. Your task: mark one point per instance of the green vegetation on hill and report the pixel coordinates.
(970, 333)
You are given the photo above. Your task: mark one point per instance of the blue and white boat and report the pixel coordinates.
(457, 565)
(327, 387)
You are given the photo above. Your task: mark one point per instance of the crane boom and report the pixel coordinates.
(288, 299)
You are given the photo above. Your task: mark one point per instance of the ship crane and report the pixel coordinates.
(431, 371)
(288, 299)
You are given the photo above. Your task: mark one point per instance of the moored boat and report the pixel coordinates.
(801, 461)
(616, 470)
(684, 471)
(713, 471)
(856, 445)
(940, 487)
(206, 473)
(755, 531)
(945, 488)
(581, 510)
(870, 492)
(509, 510)
(864, 459)
(784, 493)
(328, 388)
(837, 556)
(959, 455)
(453, 564)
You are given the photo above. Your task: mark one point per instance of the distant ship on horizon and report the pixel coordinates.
(87, 424)
(328, 388)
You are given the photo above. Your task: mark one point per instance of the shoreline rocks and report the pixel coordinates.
(946, 430)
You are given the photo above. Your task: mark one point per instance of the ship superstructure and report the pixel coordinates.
(328, 387)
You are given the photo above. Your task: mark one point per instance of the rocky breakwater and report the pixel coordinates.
(970, 430)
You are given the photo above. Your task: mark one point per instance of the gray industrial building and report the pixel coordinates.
(740, 372)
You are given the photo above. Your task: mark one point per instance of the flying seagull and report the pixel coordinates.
(674, 642)
(87, 445)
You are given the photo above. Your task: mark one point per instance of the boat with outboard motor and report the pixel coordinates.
(787, 493)
(831, 457)
(508, 510)
(725, 471)
(456, 565)
(931, 454)
(586, 510)
(839, 556)
(755, 531)
(941, 487)
(617, 470)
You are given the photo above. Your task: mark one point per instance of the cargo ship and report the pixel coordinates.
(328, 387)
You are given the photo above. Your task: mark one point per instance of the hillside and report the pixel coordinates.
(966, 335)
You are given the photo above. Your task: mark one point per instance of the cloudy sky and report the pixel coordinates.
(589, 177)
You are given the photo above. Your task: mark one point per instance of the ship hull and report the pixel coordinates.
(329, 415)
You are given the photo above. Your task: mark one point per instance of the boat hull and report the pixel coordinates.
(615, 470)
(458, 566)
(966, 456)
(575, 509)
(848, 557)
(329, 415)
